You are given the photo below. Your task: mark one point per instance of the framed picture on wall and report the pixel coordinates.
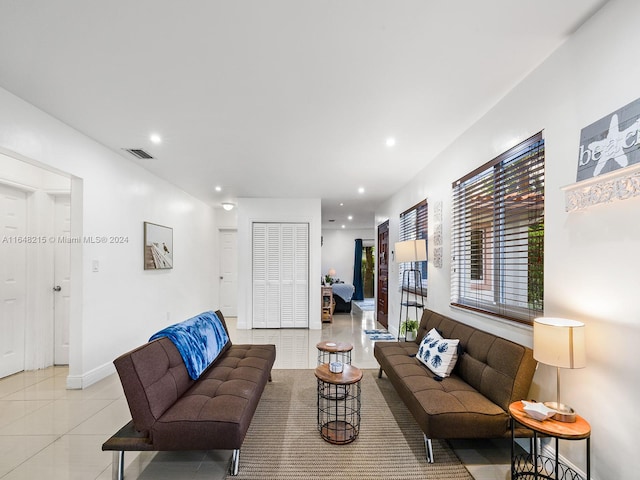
(158, 247)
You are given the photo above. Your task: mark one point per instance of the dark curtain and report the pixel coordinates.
(358, 294)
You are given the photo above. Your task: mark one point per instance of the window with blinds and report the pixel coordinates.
(498, 235)
(413, 226)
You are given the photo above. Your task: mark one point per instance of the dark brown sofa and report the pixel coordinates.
(474, 401)
(170, 411)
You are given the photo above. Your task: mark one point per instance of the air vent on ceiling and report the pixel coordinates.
(139, 153)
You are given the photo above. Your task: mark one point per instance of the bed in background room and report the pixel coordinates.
(342, 293)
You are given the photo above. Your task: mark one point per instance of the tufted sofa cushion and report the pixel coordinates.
(471, 403)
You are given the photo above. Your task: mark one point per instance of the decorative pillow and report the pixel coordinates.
(438, 354)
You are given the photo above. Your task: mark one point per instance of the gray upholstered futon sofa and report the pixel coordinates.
(171, 411)
(473, 402)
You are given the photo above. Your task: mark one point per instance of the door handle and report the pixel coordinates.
(57, 288)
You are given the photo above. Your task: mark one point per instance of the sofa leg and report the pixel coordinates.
(117, 465)
(428, 448)
(235, 461)
(380, 373)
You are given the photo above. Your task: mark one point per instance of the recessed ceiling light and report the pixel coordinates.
(341, 204)
(390, 142)
(218, 188)
(350, 217)
(155, 138)
(344, 226)
(361, 190)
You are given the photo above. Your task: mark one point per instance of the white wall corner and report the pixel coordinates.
(79, 382)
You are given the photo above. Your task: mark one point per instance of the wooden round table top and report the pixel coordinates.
(334, 347)
(577, 430)
(348, 376)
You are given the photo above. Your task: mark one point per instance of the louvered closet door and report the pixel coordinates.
(280, 275)
(274, 275)
(294, 299)
(259, 261)
(266, 275)
(301, 298)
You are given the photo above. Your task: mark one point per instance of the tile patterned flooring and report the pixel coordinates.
(47, 431)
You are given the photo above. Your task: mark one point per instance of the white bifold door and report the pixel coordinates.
(280, 260)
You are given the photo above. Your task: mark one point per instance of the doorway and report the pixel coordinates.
(33, 320)
(382, 307)
(368, 270)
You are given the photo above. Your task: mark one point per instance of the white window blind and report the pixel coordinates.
(413, 226)
(498, 235)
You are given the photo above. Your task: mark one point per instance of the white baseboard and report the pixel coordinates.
(79, 382)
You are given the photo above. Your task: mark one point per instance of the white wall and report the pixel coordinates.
(301, 210)
(591, 257)
(122, 305)
(338, 249)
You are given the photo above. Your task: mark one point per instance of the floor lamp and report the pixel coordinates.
(559, 342)
(410, 251)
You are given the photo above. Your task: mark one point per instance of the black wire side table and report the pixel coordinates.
(339, 404)
(334, 352)
(534, 466)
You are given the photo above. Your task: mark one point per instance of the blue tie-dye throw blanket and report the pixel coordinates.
(199, 340)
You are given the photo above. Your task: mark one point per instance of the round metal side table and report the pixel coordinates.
(334, 352)
(338, 404)
(535, 466)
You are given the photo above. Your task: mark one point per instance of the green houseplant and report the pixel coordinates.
(409, 328)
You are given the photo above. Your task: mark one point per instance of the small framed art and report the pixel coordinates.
(158, 246)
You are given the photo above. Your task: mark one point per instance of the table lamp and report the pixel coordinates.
(411, 251)
(559, 342)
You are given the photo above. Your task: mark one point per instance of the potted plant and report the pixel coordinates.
(409, 328)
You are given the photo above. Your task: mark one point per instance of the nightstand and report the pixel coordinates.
(327, 304)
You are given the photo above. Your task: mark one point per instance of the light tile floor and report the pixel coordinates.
(47, 431)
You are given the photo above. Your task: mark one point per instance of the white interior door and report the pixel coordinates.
(280, 256)
(62, 276)
(259, 273)
(294, 276)
(13, 262)
(228, 256)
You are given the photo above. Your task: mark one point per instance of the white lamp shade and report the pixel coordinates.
(411, 251)
(559, 342)
(332, 272)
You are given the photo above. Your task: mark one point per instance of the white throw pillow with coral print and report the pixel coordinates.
(438, 354)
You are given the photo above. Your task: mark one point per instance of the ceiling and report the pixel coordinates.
(278, 98)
